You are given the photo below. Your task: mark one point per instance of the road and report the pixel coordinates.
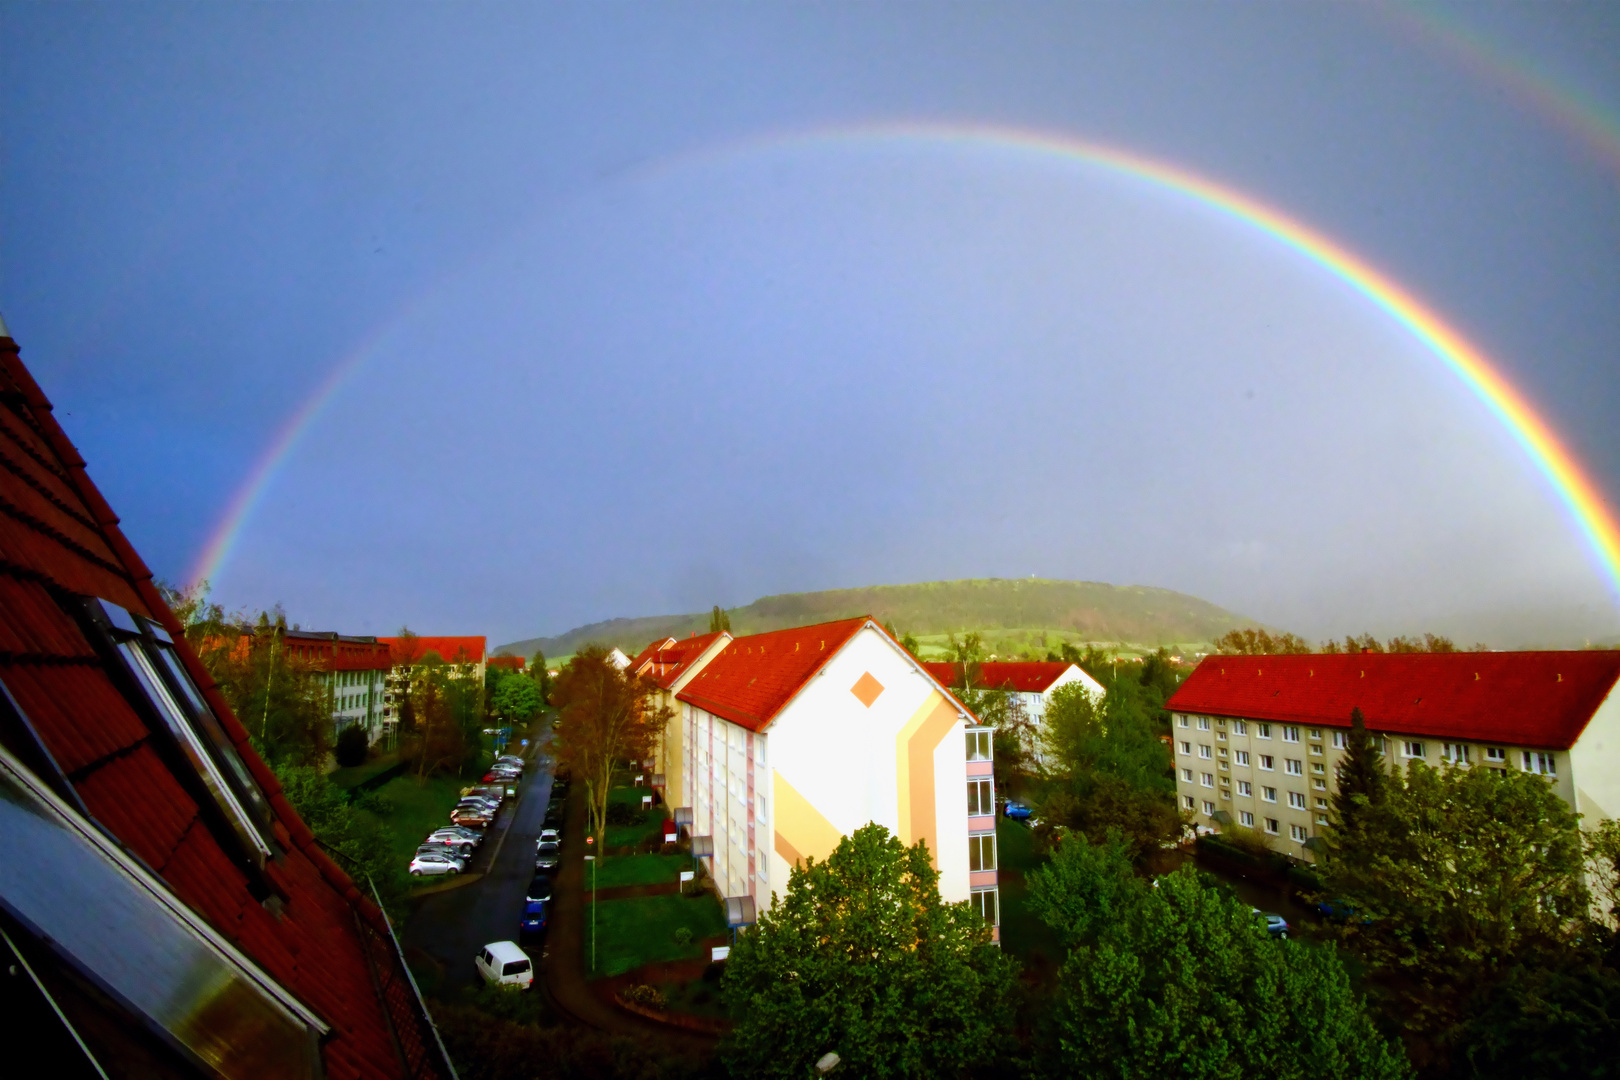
(452, 926)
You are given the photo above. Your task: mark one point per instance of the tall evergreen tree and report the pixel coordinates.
(719, 620)
(1361, 782)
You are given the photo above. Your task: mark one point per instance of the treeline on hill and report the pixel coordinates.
(1255, 641)
(285, 703)
(1091, 611)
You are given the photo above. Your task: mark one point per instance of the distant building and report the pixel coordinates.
(354, 669)
(617, 658)
(1260, 737)
(509, 663)
(787, 741)
(455, 651)
(173, 916)
(1029, 682)
(671, 663)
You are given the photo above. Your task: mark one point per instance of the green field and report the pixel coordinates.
(1022, 934)
(617, 870)
(630, 933)
(630, 835)
(1009, 612)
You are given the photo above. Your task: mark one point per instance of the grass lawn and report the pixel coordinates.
(1022, 934)
(631, 835)
(359, 774)
(416, 810)
(616, 870)
(633, 932)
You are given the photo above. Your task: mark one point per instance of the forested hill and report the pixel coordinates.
(1020, 612)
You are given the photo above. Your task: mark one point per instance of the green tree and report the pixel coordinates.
(282, 700)
(516, 699)
(719, 620)
(1256, 641)
(360, 842)
(1464, 874)
(541, 676)
(605, 716)
(862, 958)
(1181, 980)
(1360, 786)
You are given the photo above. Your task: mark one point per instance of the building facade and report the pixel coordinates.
(1030, 683)
(670, 664)
(355, 671)
(790, 740)
(1260, 737)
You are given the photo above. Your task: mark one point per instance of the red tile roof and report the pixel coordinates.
(755, 676)
(1023, 676)
(664, 660)
(452, 650)
(511, 663)
(1528, 698)
(59, 540)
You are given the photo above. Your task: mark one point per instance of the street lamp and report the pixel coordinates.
(591, 840)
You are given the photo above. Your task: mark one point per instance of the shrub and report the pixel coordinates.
(683, 936)
(625, 814)
(352, 746)
(648, 997)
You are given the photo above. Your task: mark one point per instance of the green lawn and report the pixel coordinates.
(631, 835)
(416, 810)
(633, 932)
(359, 774)
(616, 870)
(1022, 934)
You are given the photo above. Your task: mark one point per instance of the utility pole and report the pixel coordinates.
(591, 840)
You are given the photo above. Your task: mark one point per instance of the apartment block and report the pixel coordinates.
(1260, 737)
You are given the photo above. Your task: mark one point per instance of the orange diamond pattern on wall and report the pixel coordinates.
(867, 689)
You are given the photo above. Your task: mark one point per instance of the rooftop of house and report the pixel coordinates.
(1021, 676)
(452, 650)
(1524, 698)
(73, 710)
(753, 677)
(664, 660)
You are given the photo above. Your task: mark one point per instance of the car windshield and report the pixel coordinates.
(515, 967)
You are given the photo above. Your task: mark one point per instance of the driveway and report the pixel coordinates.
(452, 926)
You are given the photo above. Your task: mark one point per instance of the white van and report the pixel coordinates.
(503, 962)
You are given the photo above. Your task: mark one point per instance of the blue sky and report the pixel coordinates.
(630, 337)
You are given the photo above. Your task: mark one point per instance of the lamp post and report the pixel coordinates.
(591, 840)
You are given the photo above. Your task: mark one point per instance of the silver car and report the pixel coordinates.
(432, 864)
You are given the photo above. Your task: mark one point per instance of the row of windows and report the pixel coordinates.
(1543, 764)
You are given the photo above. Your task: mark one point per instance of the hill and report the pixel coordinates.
(1015, 615)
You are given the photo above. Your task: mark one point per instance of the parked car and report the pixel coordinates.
(502, 962)
(471, 836)
(534, 917)
(546, 855)
(552, 835)
(1338, 911)
(554, 814)
(431, 864)
(455, 843)
(476, 819)
(1276, 925)
(479, 802)
(539, 889)
(1017, 811)
(457, 857)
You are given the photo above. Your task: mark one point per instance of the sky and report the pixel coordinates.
(489, 319)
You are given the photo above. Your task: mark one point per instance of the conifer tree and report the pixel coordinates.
(1360, 780)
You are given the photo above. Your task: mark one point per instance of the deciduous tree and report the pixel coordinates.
(1181, 979)
(861, 958)
(605, 716)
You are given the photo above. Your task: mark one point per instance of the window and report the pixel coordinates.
(1246, 819)
(1321, 819)
(1186, 774)
(1208, 779)
(1540, 764)
(1318, 767)
(981, 799)
(1242, 757)
(1268, 762)
(978, 746)
(1290, 733)
(1412, 749)
(1269, 794)
(1315, 733)
(1220, 736)
(1297, 832)
(1316, 749)
(1296, 800)
(1203, 723)
(1262, 731)
(1239, 727)
(982, 851)
(1455, 752)
(1338, 740)
(1271, 825)
(1189, 801)
(984, 903)
(1203, 751)
(1495, 753)
(1245, 788)
(1321, 803)
(1186, 747)
(1319, 785)
(1221, 750)
(1209, 808)
(1294, 768)
(1182, 719)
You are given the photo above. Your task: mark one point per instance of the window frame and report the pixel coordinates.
(974, 789)
(978, 845)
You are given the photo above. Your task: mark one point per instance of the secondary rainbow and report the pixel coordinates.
(1574, 489)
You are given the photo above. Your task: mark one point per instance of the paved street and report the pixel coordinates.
(452, 926)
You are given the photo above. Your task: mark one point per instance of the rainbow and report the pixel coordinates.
(1574, 489)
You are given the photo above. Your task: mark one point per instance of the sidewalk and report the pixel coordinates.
(568, 938)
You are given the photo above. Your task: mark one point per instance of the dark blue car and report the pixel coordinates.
(1017, 811)
(534, 917)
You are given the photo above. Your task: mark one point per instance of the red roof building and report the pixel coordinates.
(452, 650)
(173, 913)
(509, 663)
(1259, 736)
